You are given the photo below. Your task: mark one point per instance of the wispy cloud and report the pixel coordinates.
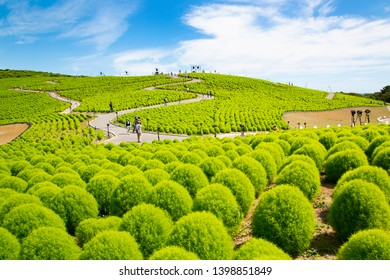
(99, 23)
(258, 38)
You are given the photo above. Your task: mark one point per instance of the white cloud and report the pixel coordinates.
(262, 41)
(95, 22)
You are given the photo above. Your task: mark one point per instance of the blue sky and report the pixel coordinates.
(337, 45)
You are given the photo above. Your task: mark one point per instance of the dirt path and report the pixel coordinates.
(11, 131)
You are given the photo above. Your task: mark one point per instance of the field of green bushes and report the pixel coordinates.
(65, 195)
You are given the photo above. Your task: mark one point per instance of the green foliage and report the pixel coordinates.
(74, 205)
(358, 205)
(101, 187)
(382, 159)
(152, 164)
(15, 200)
(191, 177)
(173, 198)
(165, 156)
(328, 139)
(302, 175)
(90, 171)
(66, 179)
(9, 245)
(191, 158)
(211, 166)
(23, 219)
(131, 191)
(13, 183)
(340, 147)
(375, 144)
(149, 225)
(203, 234)
(173, 253)
(112, 245)
(49, 243)
(339, 163)
(219, 200)
(88, 228)
(316, 151)
(285, 217)
(156, 175)
(371, 244)
(266, 159)
(240, 186)
(254, 170)
(273, 148)
(371, 174)
(259, 249)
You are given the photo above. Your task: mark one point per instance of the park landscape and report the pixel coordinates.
(211, 180)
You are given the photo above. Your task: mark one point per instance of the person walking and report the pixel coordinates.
(137, 120)
(128, 125)
(138, 130)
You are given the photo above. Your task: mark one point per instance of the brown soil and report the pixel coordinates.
(11, 131)
(332, 118)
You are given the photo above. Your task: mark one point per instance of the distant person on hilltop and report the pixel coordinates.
(137, 120)
(128, 125)
(111, 107)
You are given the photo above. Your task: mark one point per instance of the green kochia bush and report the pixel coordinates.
(371, 174)
(156, 175)
(220, 201)
(90, 171)
(191, 177)
(74, 204)
(149, 225)
(260, 249)
(211, 166)
(13, 183)
(101, 187)
(316, 151)
(9, 245)
(131, 191)
(358, 205)
(22, 220)
(112, 245)
(254, 170)
(371, 244)
(268, 162)
(341, 162)
(66, 179)
(203, 234)
(173, 198)
(382, 159)
(240, 186)
(302, 175)
(88, 228)
(285, 217)
(14, 201)
(49, 243)
(165, 156)
(173, 253)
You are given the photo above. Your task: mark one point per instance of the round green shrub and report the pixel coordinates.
(46, 194)
(339, 163)
(15, 200)
(131, 191)
(23, 219)
(219, 200)
(129, 170)
(173, 253)
(47, 167)
(369, 134)
(13, 183)
(66, 179)
(165, 156)
(371, 244)
(382, 159)
(259, 249)
(302, 175)
(203, 234)
(371, 174)
(240, 186)
(112, 245)
(9, 245)
(358, 205)
(90, 171)
(19, 166)
(382, 146)
(328, 139)
(88, 228)
(266, 159)
(191, 158)
(191, 177)
(276, 151)
(375, 144)
(74, 204)
(232, 155)
(254, 170)
(316, 151)
(156, 175)
(211, 166)
(340, 147)
(5, 193)
(284, 145)
(285, 217)
(49, 243)
(152, 164)
(101, 187)
(300, 142)
(138, 161)
(173, 198)
(226, 160)
(169, 167)
(38, 178)
(150, 225)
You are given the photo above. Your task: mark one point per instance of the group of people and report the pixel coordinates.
(137, 128)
